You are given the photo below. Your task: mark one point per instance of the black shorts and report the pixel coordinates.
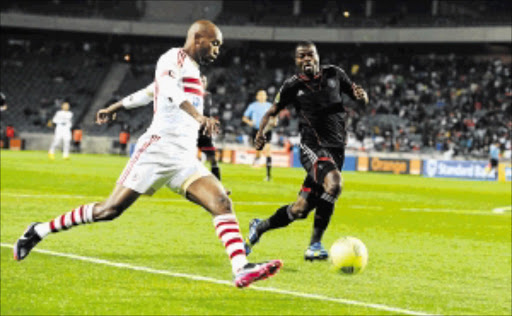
(205, 144)
(268, 135)
(494, 163)
(318, 162)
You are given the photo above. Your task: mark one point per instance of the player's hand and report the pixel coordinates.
(360, 94)
(210, 126)
(259, 141)
(104, 116)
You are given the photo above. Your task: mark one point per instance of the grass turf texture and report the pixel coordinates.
(435, 246)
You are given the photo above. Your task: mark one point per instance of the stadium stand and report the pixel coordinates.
(51, 74)
(393, 13)
(419, 102)
(122, 10)
(446, 97)
(326, 13)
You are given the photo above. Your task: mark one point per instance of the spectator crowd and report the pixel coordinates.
(454, 103)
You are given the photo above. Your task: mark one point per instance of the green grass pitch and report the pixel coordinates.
(435, 246)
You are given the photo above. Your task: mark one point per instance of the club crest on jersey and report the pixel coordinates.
(331, 83)
(300, 93)
(196, 101)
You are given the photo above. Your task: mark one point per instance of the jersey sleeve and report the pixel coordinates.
(139, 98)
(168, 78)
(57, 118)
(248, 111)
(345, 82)
(286, 94)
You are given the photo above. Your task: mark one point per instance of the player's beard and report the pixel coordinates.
(204, 57)
(310, 70)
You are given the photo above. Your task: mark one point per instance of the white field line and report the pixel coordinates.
(224, 282)
(503, 209)
(452, 211)
(496, 211)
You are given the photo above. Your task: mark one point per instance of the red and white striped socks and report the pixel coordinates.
(228, 230)
(78, 216)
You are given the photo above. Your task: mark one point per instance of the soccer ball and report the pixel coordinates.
(348, 255)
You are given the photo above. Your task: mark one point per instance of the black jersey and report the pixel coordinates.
(319, 105)
(207, 111)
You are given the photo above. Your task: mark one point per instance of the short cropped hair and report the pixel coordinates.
(304, 43)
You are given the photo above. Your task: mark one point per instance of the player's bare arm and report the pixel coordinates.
(247, 121)
(268, 121)
(108, 114)
(210, 125)
(136, 99)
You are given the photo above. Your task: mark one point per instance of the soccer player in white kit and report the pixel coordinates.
(165, 155)
(144, 96)
(63, 122)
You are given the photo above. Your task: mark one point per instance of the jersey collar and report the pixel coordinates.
(306, 78)
(191, 59)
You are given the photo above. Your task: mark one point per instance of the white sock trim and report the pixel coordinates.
(42, 229)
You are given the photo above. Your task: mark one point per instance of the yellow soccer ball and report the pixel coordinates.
(348, 255)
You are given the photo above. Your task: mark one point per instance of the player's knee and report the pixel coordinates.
(223, 205)
(299, 211)
(104, 212)
(332, 184)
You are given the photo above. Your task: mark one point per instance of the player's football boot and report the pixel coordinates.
(26, 242)
(253, 272)
(253, 237)
(51, 156)
(316, 251)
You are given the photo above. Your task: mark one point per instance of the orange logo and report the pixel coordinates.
(395, 166)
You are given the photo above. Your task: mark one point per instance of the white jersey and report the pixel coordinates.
(140, 98)
(177, 78)
(63, 121)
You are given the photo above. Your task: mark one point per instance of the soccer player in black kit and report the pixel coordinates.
(316, 93)
(205, 142)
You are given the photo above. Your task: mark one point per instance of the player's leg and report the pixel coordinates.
(283, 216)
(118, 201)
(254, 131)
(208, 192)
(323, 167)
(329, 176)
(54, 144)
(266, 151)
(65, 147)
(325, 207)
(205, 145)
(256, 158)
(210, 156)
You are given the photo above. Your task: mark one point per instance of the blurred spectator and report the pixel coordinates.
(3, 102)
(124, 138)
(77, 139)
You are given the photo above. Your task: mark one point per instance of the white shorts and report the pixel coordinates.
(62, 135)
(156, 162)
